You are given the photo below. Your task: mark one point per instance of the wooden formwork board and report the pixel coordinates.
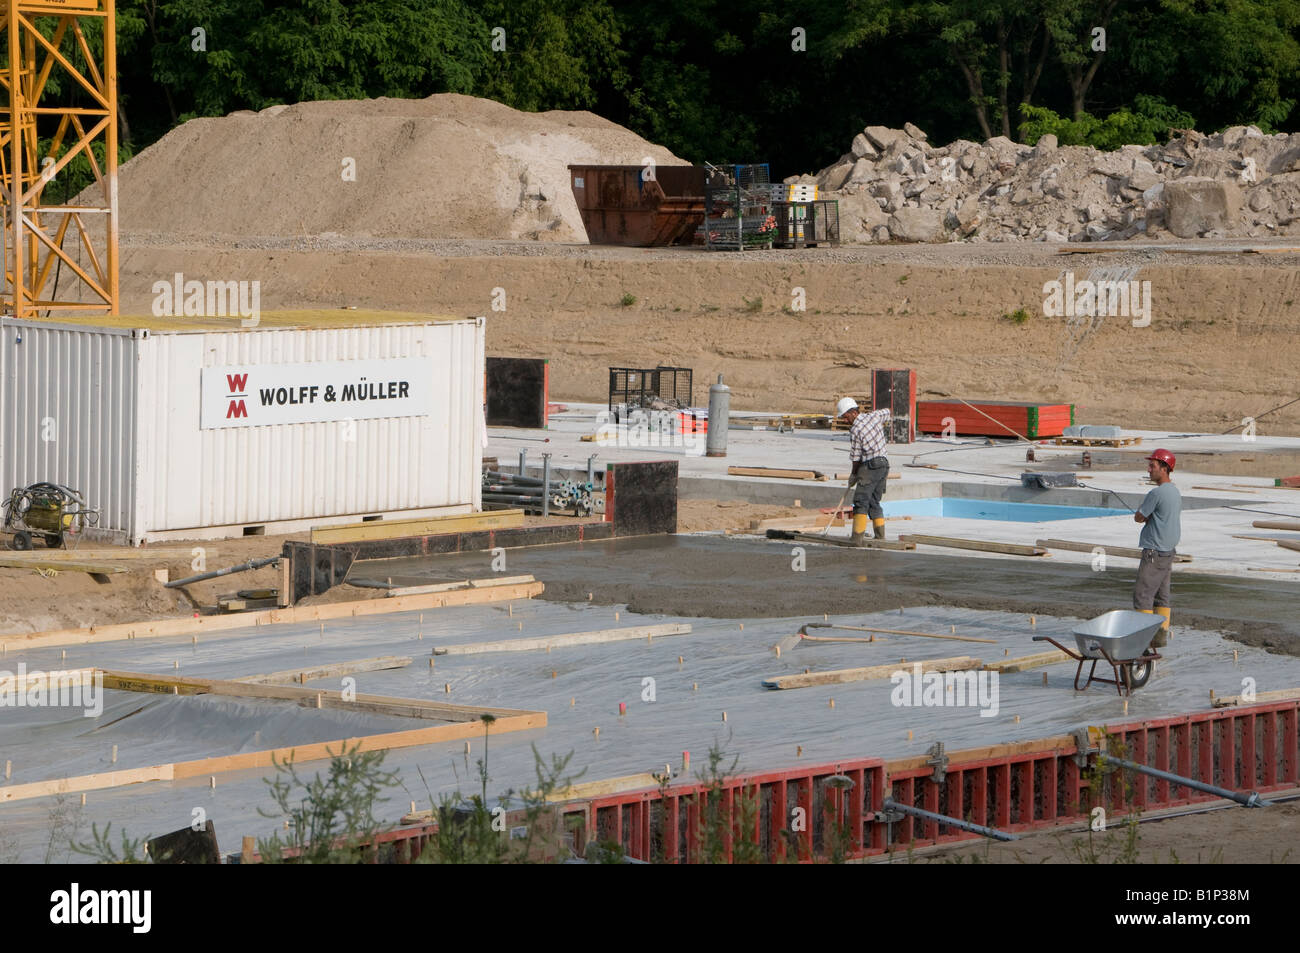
(308, 697)
(548, 642)
(838, 676)
(251, 621)
(1127, 552)
(250, 760)
(426, 526)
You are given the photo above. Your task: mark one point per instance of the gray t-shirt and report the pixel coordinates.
(1162, 508)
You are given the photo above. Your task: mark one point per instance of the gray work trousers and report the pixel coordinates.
(1152, 587)
(871, 487)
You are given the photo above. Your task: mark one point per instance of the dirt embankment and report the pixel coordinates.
(1220, 345)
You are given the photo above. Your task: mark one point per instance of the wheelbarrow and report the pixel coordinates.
(1121, 638)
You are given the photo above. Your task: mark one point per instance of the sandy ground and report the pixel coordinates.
(31, 601)
(1234, 835)
(1219, 347)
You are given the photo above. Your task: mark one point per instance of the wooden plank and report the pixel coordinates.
(1125, 551)
(1222, 489)
(1097, 441)
(575, 792)
(1011, 549)
(1260, 698)
(421, 526)
(843, 541)
(7, 561)
(455, 586)
(114, 555)
(1062, 743)
(435, 734)
(377, 704)
(548, 642)
(249, 622)
(776, 473)
(1276, 524)
(924, 635)
(1024, 662)
(839, 676)
(845, 476)
(48, 680)
(380, 663)
(1288, 544)
(809, 522)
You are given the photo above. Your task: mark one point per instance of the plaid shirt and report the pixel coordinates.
(867, 435)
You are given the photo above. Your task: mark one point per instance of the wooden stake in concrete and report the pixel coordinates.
(9, 767)
(114, 758)
(596, 732)
(212, 781)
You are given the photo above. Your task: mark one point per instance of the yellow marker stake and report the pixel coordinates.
(596, 733)
(114, 754)
(832, 703)
(212, 781)
(447, 688)
(778, 650)
(909, 734)
(1017, 719)
(798, 751)
(724, 716)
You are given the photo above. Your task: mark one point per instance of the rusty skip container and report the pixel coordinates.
(639, 204)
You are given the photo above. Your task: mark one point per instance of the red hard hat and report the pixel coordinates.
(1165, 457)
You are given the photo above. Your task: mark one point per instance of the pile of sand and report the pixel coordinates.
(449, 166)
(893, 185)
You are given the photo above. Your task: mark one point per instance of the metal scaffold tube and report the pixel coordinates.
(890, 804)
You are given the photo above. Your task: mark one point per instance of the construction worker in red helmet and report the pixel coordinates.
(870, 465)
(1159, 515)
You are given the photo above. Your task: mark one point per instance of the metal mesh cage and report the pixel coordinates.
(639, 387)
(805, 224)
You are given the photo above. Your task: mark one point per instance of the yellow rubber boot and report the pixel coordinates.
(878, 526)
(859, 527)
(1162, 637)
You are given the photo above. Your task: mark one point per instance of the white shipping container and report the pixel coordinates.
(199, 428)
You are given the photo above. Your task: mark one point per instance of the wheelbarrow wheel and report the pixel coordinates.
(1138, 673)
(22, 541)
(53, 540)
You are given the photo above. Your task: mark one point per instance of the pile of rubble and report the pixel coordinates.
(894, 186)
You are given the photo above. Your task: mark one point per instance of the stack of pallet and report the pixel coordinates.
(993, 418)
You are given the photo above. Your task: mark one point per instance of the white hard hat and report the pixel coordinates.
(845, 405)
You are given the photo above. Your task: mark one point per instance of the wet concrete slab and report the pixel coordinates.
(742, 577)
(672, 706)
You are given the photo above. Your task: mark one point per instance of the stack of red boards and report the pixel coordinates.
(961, 419)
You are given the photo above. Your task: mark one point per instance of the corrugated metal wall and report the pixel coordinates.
(192, 477)
(68, 413)
(126, 421)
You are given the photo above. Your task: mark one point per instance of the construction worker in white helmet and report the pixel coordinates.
(870, 465)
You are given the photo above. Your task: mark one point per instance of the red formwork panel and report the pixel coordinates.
(1017, 787)
(993, 418)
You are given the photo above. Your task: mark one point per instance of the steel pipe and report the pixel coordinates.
(242, 567)
(1247, 800)
(890, 804)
